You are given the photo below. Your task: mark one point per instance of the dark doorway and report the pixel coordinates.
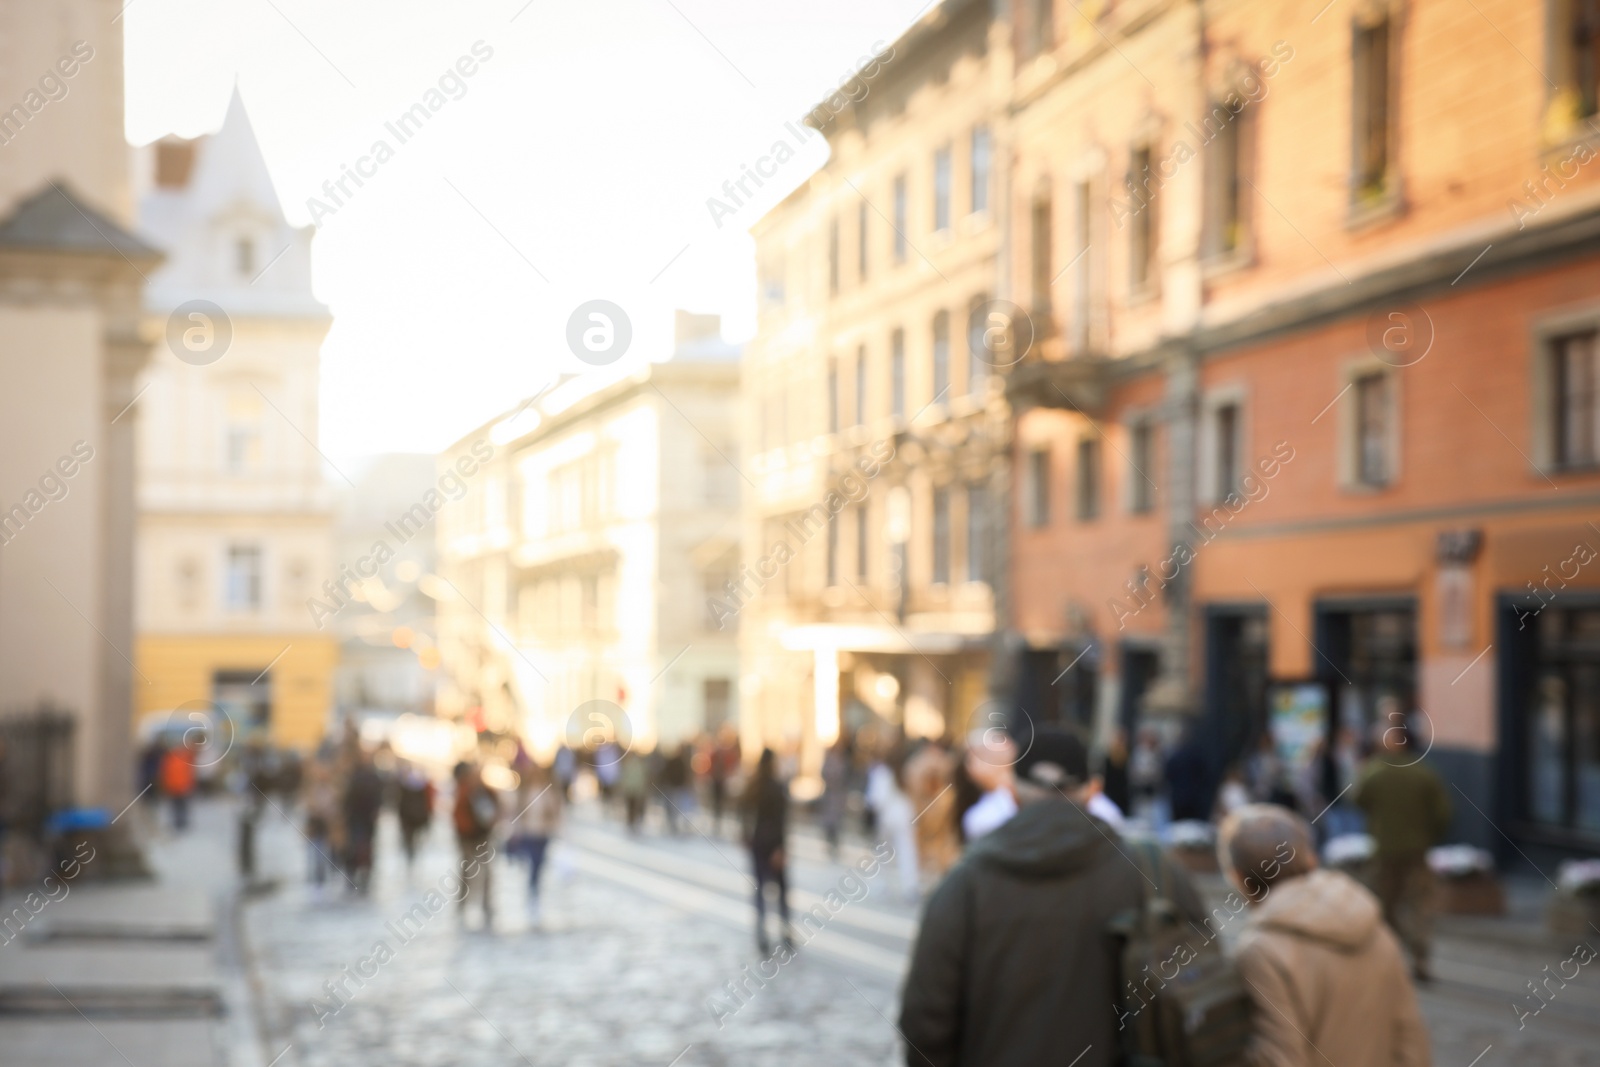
(1366, 652)
(1060, 686)
(1141, 666)
(1236, 681)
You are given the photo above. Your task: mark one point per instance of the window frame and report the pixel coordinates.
(1088, 478)
(1036, 482)
(980, 175)
(1371, 197)
(1143, 490)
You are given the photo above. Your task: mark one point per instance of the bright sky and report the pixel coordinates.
(583, 150)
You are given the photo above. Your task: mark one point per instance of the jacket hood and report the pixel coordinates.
(1046, 839)
(1325, 906)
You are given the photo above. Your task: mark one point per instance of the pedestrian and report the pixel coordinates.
(414, 808)
(607, 762)
(360, 805)
(724, 767)
(1114, 771)
(1326, 976)
(835, 792)
(475, 815)
(321, 807)
(1014, 964)
(1144, 777)
(177, 781)
(536, 823)
(765, 808)
(674, 786)
(928, 776)
(565, 768)
(1408, 812)
(633, 783)
(893, 817)
(1188, 787)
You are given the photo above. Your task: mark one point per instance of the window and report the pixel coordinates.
(833, 255)
(861, 385)
(941, 356)
(978, 525)
(1575, 379)
(1142, 457)
(833, 551)
(941, 536)
(977, 352)
(897, 374)
(1226, 429)
(1082, 259)
(941, 190)
(244, 257)
(243, 443)
(1037, 492)
(1579, 62)
(981, 164)
(862, 234)
(243, 582)
(1373, 423)
(1370, 110)
(833, 396)
(1039, 226)
(1142, 233)
(900, 218)
(1225, 215)
(863, 534)
(1088, 478)
(1038, 27)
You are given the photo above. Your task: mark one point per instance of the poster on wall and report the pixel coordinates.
(1298, 718)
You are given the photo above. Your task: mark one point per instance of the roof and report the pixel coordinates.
(55, 219)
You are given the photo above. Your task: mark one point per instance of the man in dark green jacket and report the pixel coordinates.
(1014, 965)
(1408, 812)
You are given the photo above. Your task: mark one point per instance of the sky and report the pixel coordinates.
(574, 164)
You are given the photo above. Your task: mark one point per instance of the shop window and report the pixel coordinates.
(1575, 394)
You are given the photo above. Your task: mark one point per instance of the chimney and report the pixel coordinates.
(689, 327)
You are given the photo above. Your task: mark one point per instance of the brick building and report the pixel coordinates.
(1313, 393)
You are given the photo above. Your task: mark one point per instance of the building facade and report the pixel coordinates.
(235, 518)
(72, 343)
(874, 408)
(575, 571)
(1315, 400)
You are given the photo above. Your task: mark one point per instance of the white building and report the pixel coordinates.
(235, 533)
(578, 567)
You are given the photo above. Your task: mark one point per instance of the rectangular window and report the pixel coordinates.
(1038, 27)
(861, 385)
(1227, 449)
(1370, 109)
(243, 578)
(897, 374)
(1581, 76)
(1224, 223)
(1142, 227)
(1142, 456)
(833, 255)
(941, 356)
(1373, 415)
(900, 219)
(833, 396)
(863, 541)
(981, 165)
(941, 190)
(1039, 226)
(1037, 494)
(978, 355)
(978, 526)
(941, 536)
(1575, 381)
(1088, 478)
(1082, 270)
(862, 234)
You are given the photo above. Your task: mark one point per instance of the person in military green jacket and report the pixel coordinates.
(1408, 812)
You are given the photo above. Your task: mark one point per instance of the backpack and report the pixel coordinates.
(1180, 1001)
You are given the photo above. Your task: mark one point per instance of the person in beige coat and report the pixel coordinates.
(1327, 976)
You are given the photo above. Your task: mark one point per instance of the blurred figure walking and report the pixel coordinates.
(321, 804)
(633, 782)
(360, 805)
(536, 823)
(1408, 812)
(414, 807)
(177, 781)
(835, 792)
(766, 831)
(1328, 979)
(674, 786)
(724, 767)
(476, 813)
(893, 818)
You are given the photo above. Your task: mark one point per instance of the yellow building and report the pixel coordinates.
(235, 517)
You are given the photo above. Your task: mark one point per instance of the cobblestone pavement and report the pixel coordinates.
(639, 935)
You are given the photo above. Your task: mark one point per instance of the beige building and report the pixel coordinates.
(71, 346)
(235, 517)
(873, 405)
(577, 572)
